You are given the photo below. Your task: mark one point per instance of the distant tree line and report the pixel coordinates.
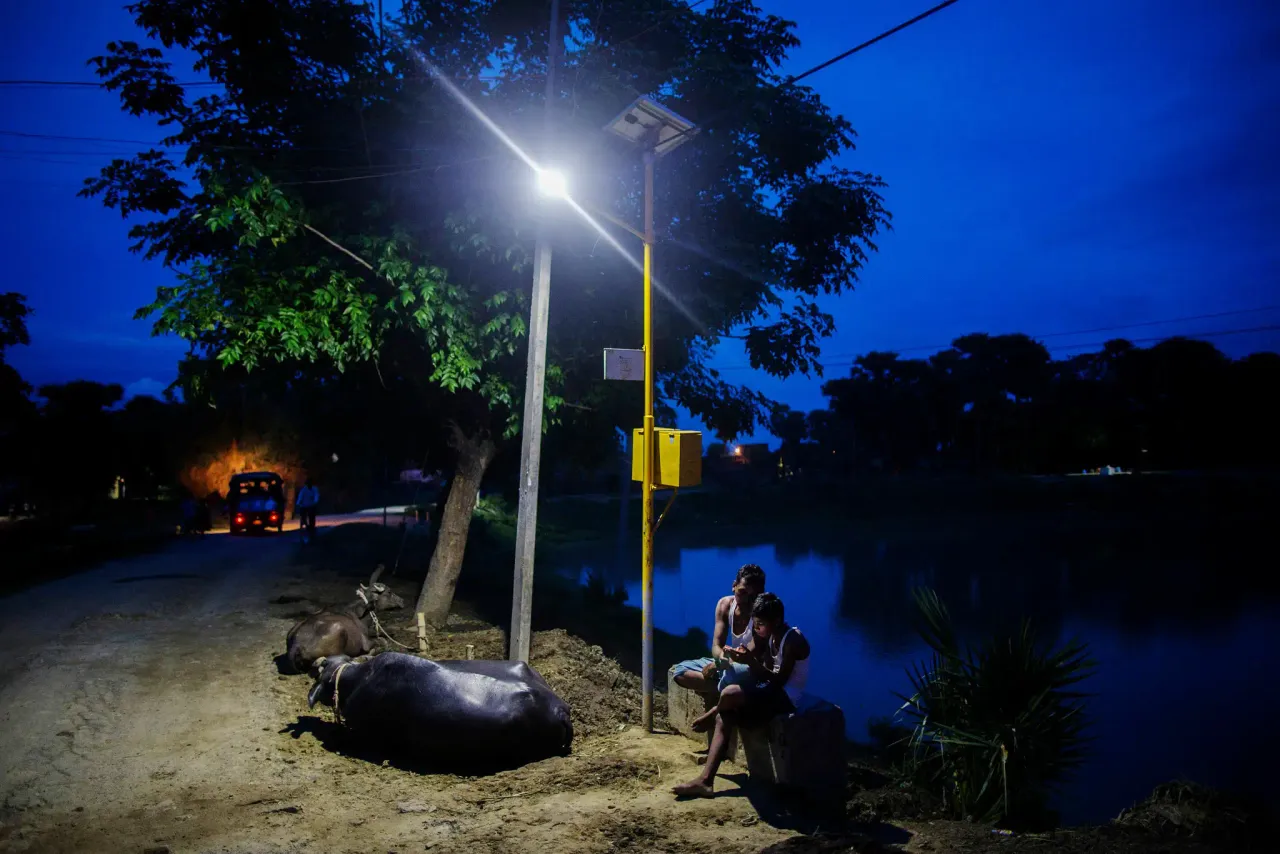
(999, 403)
(64, 447)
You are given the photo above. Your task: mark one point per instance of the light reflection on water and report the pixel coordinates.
(1178, 641)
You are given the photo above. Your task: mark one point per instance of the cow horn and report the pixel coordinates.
(377, 573)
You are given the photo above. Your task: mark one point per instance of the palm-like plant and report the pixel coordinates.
(997, 725)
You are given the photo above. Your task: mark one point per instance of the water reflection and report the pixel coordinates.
(1175, 614)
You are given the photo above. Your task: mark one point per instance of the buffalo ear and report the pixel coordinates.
(313, 696)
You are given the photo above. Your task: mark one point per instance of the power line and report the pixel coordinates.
(86, 85)
(819, 67)
(82, 84)
(1151, 339)
(44, 156)
(1092, 331)
(869, 42)
(353, 177)
(57, 136)
(598, 49)
(415, 169)
(53, 137)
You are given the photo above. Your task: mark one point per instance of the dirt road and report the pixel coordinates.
(141, 709)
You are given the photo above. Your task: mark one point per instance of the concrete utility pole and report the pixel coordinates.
(534, 385)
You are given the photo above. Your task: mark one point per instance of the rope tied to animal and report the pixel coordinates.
(373, 615)
(380, 630)
(337, 677)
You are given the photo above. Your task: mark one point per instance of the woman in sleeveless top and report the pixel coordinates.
(778, 660)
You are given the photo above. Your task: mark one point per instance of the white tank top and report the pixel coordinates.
(742, 639)
(799, 673)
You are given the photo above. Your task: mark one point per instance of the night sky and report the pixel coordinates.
(1052, 167)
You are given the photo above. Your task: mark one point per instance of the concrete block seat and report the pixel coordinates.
(803, 750)
(685, 706)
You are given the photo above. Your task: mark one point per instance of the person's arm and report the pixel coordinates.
(796, 645)
(721, 633)
(752, 658)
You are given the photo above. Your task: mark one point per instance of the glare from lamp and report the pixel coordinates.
(552, 184)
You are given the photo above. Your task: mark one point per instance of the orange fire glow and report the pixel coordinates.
(212, 472)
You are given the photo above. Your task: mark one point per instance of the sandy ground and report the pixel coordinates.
(142, 710)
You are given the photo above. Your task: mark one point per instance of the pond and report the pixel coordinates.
(1182, 619)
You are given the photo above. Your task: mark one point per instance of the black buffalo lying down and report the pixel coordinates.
(447, 714)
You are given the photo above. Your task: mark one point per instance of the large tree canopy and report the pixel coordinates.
(334, 201)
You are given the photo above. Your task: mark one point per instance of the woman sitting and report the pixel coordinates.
(778, 658)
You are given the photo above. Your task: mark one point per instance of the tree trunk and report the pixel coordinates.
(474, 456)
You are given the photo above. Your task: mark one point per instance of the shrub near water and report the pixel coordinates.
(996, 725)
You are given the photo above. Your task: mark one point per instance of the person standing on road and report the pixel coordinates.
(305, 507)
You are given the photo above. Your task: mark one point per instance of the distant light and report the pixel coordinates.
(552, 184)
(737, 451)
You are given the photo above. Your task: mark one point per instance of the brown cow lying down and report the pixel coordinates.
(340, 631)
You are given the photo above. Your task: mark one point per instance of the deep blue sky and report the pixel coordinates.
(1051, 167)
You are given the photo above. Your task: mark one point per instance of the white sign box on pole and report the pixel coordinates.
(623, 364)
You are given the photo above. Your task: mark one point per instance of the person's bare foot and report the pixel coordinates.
(694, 789)
(704, 722)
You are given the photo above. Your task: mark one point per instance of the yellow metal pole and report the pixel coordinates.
(647, 487)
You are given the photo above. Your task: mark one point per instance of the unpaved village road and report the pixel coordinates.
(141, 709)
(121, 686)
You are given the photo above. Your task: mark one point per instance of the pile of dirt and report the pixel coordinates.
(888, 802)
(604, 697)
(1187, 810)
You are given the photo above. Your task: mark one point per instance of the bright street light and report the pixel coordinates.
(552, 184)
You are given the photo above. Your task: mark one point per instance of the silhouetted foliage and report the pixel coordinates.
(15, 405)
(998, 403)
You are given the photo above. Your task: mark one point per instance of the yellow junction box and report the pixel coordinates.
(678, 461)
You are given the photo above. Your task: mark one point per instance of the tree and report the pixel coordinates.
(885, 402)
(13, 321)
(75, 445)
(791, 427)
(337, 204)
(999, 401)
(14, 391)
